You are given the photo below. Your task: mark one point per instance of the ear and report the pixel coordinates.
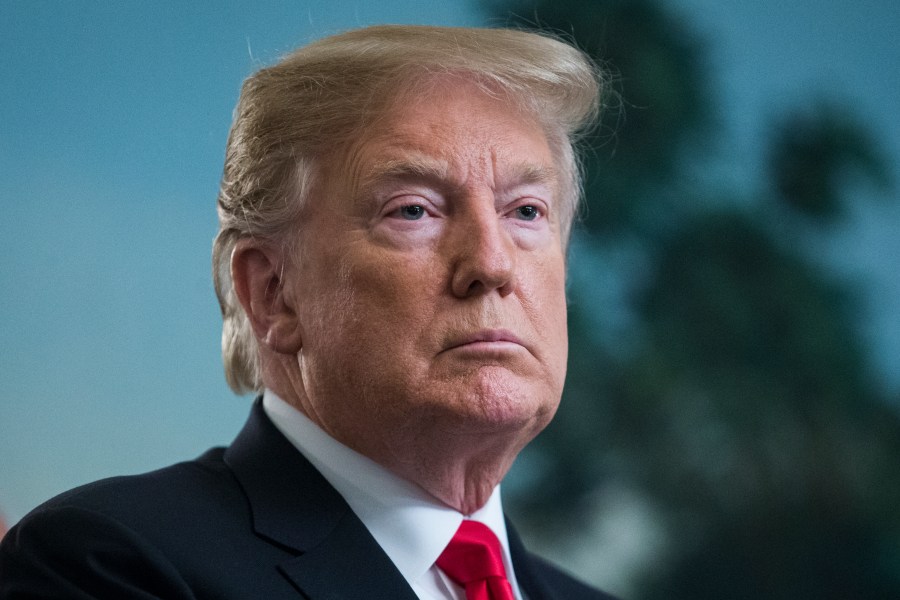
(257, 272)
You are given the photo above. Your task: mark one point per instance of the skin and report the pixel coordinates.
(423, 323)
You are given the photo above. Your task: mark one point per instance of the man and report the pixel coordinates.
(394, 213)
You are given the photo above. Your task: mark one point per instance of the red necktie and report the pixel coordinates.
(473, 560)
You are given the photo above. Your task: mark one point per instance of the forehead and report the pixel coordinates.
(452, 130)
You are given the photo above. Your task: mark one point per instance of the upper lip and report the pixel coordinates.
(485, 335)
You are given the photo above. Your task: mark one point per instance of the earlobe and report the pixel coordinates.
(257, 274)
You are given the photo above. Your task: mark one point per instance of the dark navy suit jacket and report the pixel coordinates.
(255, 520)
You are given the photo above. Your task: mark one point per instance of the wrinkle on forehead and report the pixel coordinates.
(407, 144)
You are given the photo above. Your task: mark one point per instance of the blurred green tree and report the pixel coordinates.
(722, 377)
(816, 153)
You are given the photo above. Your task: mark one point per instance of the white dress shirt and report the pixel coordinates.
(410, 525)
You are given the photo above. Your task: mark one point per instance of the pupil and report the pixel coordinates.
(412, 212)
(528, 212)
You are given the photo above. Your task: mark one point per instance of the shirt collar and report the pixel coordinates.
(410, 525)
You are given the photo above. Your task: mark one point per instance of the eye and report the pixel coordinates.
(528, 212)
(411, 212)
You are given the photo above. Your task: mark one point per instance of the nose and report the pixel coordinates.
(485, 256)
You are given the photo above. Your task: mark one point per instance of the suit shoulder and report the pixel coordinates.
(182, 488)
(68, 552)
(116, 537)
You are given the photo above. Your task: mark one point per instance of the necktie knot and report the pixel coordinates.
(473, 560)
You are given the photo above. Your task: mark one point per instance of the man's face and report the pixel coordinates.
(430, 278)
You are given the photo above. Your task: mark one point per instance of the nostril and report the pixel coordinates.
(474, 276)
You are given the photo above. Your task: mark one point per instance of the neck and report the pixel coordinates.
(462, 474)
(455, 464)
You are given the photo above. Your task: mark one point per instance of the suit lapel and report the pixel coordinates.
(295, 507)
(530, 582)
(348, 564)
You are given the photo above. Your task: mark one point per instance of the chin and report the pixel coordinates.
(499, 401)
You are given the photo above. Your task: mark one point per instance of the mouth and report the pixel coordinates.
(486, 339)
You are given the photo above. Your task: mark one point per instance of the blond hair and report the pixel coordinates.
(291, 114)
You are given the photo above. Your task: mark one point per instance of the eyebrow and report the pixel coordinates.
(528, 174)
(423, 168)
(409, 168)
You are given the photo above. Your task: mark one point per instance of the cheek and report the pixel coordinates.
(549, 311)
(386, 297)
(545, 278)
(393, 278)
(558, 346)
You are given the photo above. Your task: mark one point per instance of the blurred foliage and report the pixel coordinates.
(814, 153)
(655, 67)
(737, 399)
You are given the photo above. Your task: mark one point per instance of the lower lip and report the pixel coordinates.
(497, 347)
